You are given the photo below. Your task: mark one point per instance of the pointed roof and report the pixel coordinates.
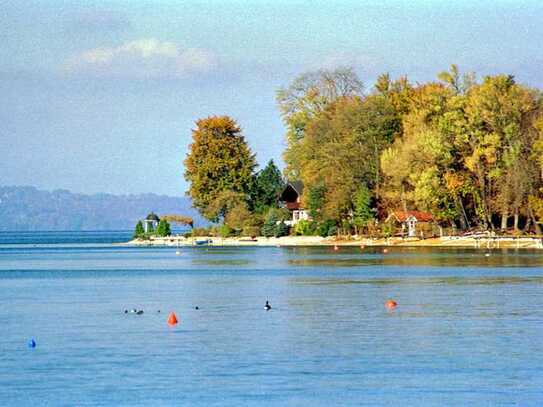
(153, 216)
(298, 186)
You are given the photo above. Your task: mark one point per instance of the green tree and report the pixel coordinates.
(139, 232)
(267, 187)
(315, 200)
(281, 229)
(303, 228)
(219, 160)
(273, 217)
(362, 211)
(163, 229)
(342, 149)
(270, 223)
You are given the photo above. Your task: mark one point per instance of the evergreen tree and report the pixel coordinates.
(270, 223)
(139, 232)
(281, 229)
(315, 201)
(267, 187)
(163, 229)
(362, 213)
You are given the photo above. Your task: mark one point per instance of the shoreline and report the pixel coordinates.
(479, 242)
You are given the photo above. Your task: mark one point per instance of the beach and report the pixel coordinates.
(481, 241)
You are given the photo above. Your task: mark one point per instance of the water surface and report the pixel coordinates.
(467, 330)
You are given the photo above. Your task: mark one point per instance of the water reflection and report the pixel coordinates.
(420, 256)
(420, 280)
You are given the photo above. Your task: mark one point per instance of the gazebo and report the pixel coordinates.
(150, 222)
(409, 220)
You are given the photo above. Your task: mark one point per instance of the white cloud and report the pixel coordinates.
(142, 59)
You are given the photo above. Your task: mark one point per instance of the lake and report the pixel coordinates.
(467, 330)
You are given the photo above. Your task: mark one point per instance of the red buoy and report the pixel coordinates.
(391, 304)
(172, 319)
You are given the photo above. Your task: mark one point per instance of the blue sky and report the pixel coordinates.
(102, 96)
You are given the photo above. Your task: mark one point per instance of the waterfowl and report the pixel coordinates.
(267, 307)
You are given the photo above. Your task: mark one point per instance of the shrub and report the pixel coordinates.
(251, 231)
(324, 228)
(386, 229)
(139, 232)
(268, 228)
(305, 228)
(281, 229)
(198, 232)
(163, 229)
(224, 231)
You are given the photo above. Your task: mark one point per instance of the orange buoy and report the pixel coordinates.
(385, 251)
(336, 248)
(172, 319)
(362, 247)
(391, 304)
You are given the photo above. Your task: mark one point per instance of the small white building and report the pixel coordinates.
(409, 220)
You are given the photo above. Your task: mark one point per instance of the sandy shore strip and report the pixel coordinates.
(480, 242)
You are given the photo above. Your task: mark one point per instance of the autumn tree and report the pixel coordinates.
(495, 110)
(219, 161)
(306, 97)
(341, 150)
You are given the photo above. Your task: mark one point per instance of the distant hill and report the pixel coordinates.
(28, 209)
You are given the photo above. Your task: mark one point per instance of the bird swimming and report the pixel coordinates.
(267, 307)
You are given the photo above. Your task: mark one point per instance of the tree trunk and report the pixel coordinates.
(515, 222)
(404, 204)
(536, 226)
(464, 224)
(504, 221)
(377, 173)
(466, 219)
(527, 225)
(487, 221)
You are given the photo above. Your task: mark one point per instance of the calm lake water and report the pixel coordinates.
(467, 331)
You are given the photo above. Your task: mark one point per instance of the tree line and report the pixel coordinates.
(225, 185)
(467, 150)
